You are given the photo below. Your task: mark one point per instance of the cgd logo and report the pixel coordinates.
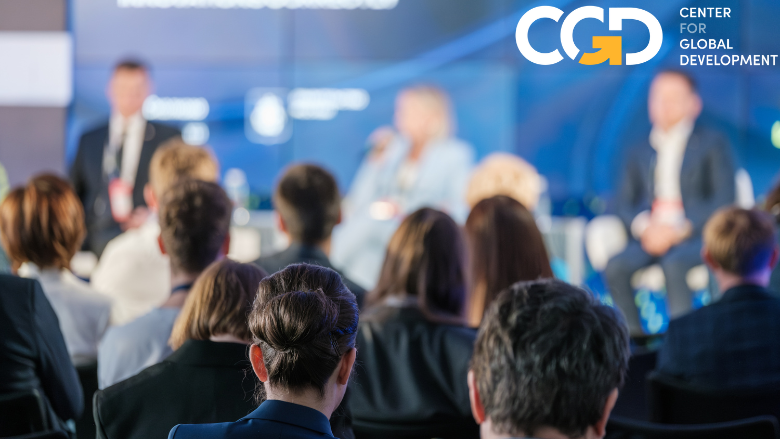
(610, 47)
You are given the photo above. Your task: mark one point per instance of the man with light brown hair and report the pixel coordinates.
(132, 270)
(734, 342)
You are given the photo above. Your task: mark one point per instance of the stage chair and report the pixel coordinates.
(22, 413)
(762, 427)
(673, 401)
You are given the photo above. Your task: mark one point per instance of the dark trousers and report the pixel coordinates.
(675, 264)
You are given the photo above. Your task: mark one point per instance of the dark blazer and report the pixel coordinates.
(411, 371)
(304, 254)
(86, 174)
(735, 342)
(273, 419)
(202, 381)
(706, 179)
(32, 351)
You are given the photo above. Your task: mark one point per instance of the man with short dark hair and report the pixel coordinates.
(194, 224)
(548, 362)
(671, 184)
(111, 166)
(308, 204)
(735, 342)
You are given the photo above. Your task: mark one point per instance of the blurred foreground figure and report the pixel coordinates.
(671, 185)
(423, 166)
(735, 342)
(41, 228)
(112, 164)
(558, 347)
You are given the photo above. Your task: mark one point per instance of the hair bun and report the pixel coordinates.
(295, 319)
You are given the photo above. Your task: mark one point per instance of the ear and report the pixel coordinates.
(477, 409)
(256, 358)
(226, 245)
(150, 198)
(161, 244)
(696, 106)
(775, 255)
(339, 218)
(601, 426)
(280, 223)
(707, 258)
(345, 366)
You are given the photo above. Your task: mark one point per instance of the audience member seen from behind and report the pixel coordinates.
(558, 347)
(501, 173)
(132, 270)
(308, 202)
(671, 184)
(205, 379)
(194, 232)
(735, 342)
(303, 324)
(42, 227)
(505, 247)
(111, 167)
(33, 354)
(425, 165)
(772, 206)
(414, 347)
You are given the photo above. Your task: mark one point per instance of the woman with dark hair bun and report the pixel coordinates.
(414, 346)
(303, 324)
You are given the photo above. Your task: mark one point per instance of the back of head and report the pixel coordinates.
(505, 247)
(219, 303)
(176, 160)
(307, 198)
(425, 259)
(740, 241)
(194, 223)
(504, 174)
(559, 348)
(304, 319)
(42, 222)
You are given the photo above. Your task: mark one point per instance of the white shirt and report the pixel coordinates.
(670, 149)
(83, 313)
(133, 272)
(129, 349)
(133, 129)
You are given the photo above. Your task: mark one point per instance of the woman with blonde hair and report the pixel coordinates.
(41, 228)
(206, 378)
(423, 165)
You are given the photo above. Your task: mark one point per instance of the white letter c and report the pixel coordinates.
(521, 35)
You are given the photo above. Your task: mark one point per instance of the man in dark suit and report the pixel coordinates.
(112, 163)
(309, 206)
(33, 355)
(735, 342)
(671, 184)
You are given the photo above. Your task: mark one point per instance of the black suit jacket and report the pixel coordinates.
(91, 185)
(411, 371)
(735, 342)
(32, 351)
(201, 382)
(303, 254)
(706, 179)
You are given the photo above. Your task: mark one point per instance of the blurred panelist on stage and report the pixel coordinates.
(423, 165)
(112, 164)
(671, 185)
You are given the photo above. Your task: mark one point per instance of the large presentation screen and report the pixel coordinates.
(269, 82)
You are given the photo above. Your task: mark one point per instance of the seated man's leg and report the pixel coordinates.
(618, 275)
(676, 264)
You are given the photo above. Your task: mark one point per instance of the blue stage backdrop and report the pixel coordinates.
(572, 121)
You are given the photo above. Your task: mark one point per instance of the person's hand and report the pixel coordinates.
(657, 239)
(379, 140)
(137, 218)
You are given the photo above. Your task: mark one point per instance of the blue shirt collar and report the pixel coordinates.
(293, 414)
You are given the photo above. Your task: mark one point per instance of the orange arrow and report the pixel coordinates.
(610, 49)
